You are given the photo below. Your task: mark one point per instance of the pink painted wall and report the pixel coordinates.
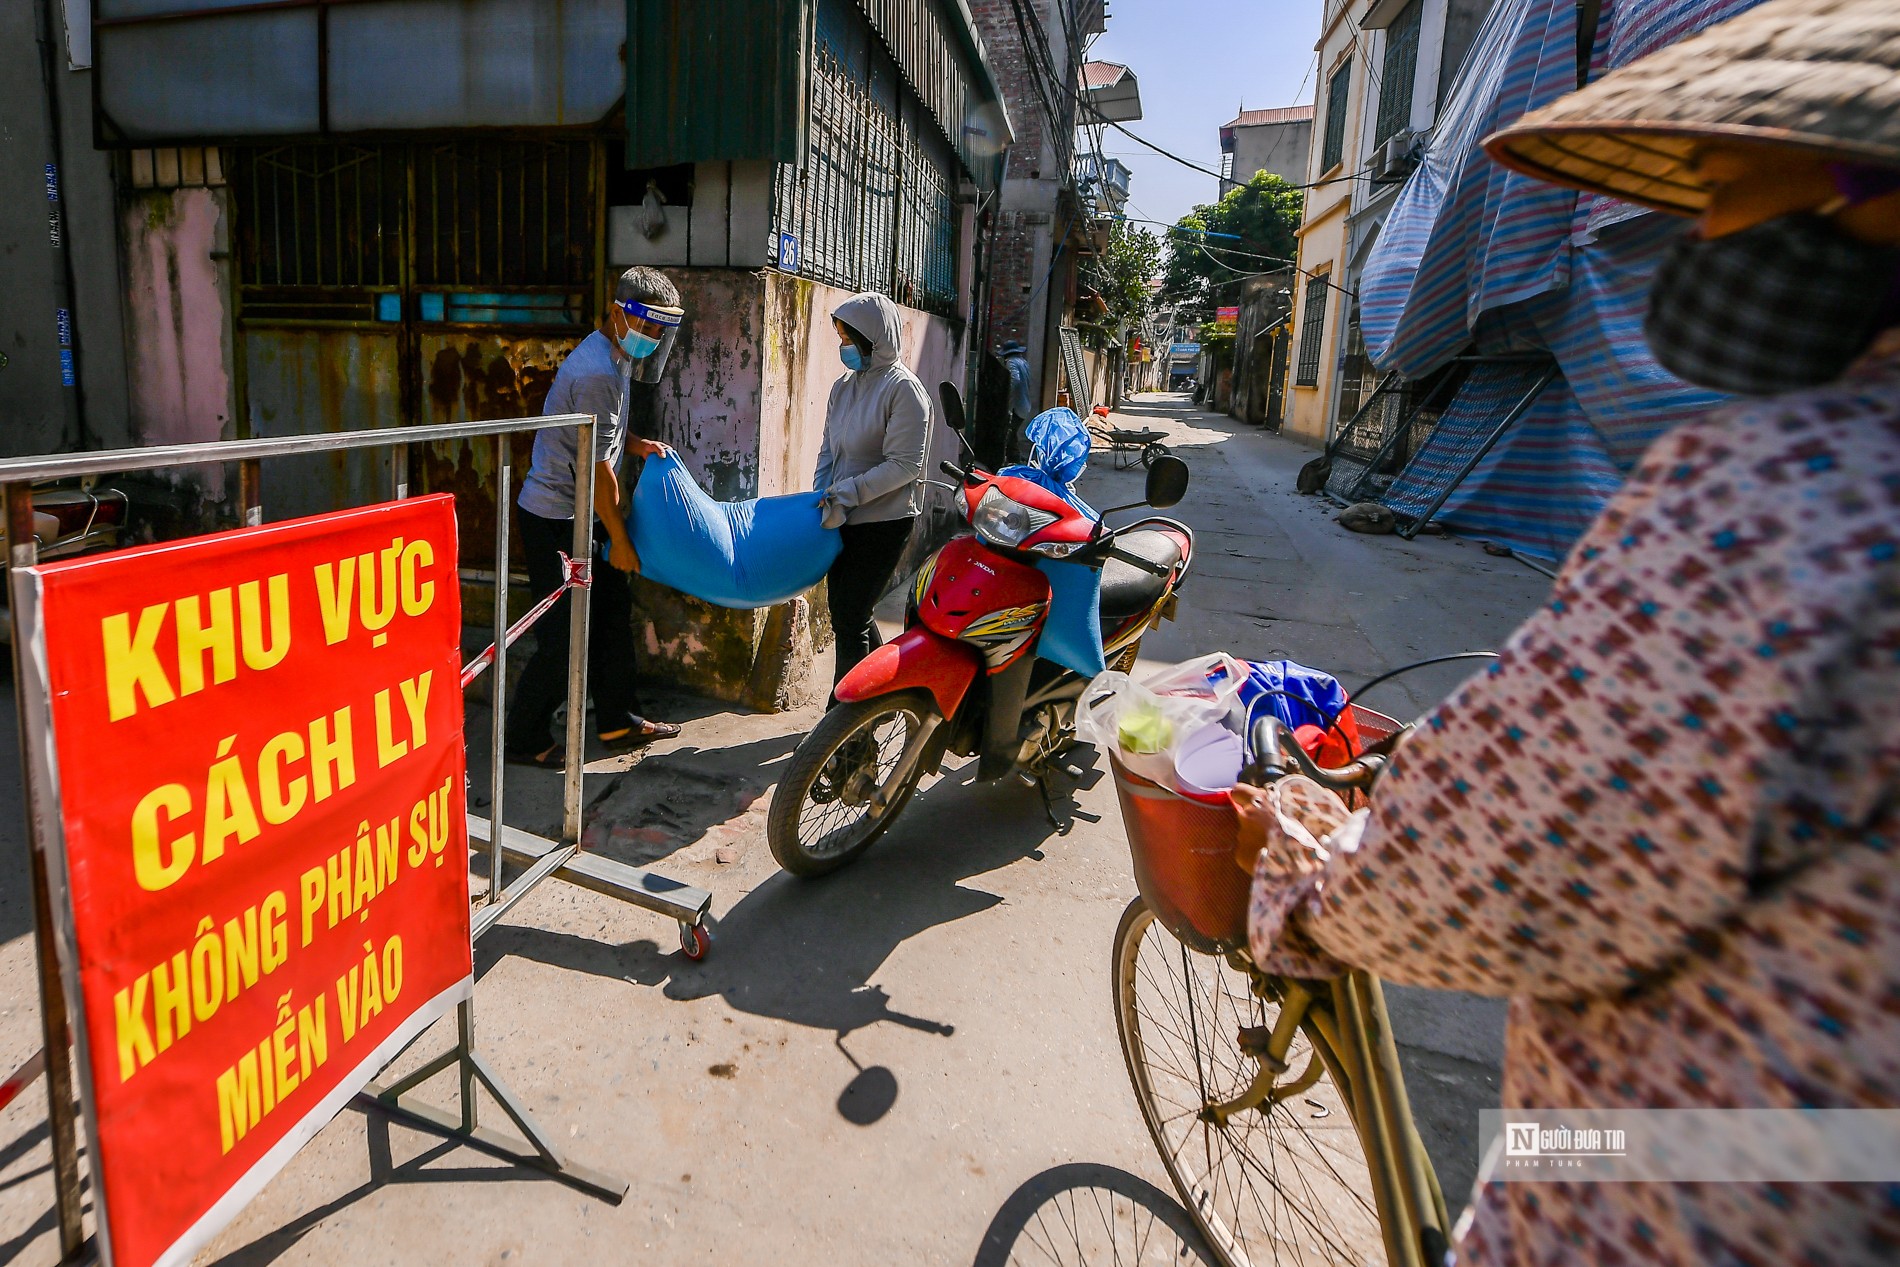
(801, 364)
(178, 340)
(710, 396)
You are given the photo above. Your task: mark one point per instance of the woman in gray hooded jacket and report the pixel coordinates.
(870, 468)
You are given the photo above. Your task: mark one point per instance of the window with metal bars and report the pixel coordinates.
(477, 231)
(1338, 103)
(1312, 329)
(1400, 69)
(873, 207)
(319, 229)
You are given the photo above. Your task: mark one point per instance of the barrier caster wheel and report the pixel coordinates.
(695, 941)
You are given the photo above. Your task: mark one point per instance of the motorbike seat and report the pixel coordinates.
(1127, 590)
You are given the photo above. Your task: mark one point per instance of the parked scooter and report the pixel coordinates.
(964, 676)
(70, 521)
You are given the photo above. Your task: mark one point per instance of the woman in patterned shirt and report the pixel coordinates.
(1664, 824)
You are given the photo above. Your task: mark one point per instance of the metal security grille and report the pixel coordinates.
(872, 207)
(1400, 69)
(1075, 368)
(1312, 329)
(487, 231)
(319, 228)
(1338, 101)
(1393, 424)
(927, 238)
(507, 213)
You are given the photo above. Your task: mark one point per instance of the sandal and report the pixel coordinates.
(640, 734)
(552, 759)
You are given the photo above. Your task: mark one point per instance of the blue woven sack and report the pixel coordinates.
(732, 554)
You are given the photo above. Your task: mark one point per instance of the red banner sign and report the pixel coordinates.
(257, 755)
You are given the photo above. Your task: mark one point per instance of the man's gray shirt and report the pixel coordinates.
(592, 380)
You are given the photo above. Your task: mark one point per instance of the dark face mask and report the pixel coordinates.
(1785, 305)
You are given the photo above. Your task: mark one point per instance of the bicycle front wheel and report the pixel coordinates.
(1283, 1182)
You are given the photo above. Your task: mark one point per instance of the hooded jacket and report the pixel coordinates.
(877, 426)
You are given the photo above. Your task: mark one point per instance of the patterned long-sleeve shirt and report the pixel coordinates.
(1664, 824)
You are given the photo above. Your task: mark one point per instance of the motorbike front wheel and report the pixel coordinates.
(823, 813)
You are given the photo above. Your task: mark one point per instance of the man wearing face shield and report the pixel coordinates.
(610, 374)
(1665, 823)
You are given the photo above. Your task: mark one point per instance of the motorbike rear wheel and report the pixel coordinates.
(821, 816)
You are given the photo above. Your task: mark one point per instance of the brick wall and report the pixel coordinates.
(1020, 231)
(1002, 40)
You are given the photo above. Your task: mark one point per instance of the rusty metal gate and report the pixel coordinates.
(409, 283)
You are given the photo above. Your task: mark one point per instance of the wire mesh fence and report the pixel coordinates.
(1493, 395)
(1392, 425)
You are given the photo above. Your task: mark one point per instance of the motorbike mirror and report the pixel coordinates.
(952, 401)
(1167, 481)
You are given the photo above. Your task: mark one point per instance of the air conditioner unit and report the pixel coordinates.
(1396, 158)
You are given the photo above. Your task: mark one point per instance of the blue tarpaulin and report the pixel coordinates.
(1475, 253)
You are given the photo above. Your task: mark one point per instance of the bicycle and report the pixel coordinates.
(1275, 1102)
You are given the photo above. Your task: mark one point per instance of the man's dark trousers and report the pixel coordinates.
(610, 647)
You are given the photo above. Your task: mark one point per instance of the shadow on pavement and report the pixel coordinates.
(674, 799)
(1085, 1213)
(382, 1172)
(805, 951)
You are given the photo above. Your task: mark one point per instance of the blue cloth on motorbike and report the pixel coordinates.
(1297, 695)
(1059, 452)
(732, 554)
(1072, 632)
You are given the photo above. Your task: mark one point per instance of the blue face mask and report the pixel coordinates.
(852, 358)
(637, 345)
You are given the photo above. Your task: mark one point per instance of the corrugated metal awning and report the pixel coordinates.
(709, 80)
(185, 71)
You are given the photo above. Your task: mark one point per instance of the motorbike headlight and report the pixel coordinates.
(1004, 521)
(1057, 549)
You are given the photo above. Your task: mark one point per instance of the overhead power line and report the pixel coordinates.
(1206, 171)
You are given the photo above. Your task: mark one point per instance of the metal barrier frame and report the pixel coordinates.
(542, 858)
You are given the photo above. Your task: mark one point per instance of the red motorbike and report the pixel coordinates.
(964, 676)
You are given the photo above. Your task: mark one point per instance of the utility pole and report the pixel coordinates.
(73, 400)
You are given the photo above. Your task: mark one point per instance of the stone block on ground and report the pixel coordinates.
(761, 658)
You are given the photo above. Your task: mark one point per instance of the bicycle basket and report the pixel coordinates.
(1183, 854)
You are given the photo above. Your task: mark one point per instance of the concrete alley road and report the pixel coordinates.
(913, 1061)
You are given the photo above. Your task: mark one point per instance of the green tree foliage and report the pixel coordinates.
(1122, 275)
(1262, 214)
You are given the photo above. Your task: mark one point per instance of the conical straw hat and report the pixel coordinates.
(1820, 77)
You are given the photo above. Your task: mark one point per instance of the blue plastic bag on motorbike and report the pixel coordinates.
(732, 554)
(1059, 452)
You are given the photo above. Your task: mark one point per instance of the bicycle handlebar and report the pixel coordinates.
(1271, 740)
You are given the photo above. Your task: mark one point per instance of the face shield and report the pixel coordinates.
(651, 331)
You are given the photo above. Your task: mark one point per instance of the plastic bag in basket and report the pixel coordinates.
(1296, 823)
(1140, 727)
